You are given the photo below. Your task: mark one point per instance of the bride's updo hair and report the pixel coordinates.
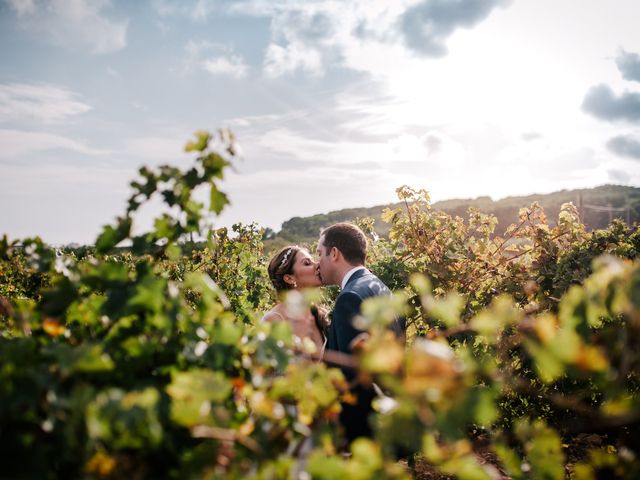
(282, 264)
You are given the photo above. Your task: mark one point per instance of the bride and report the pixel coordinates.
(292, 268)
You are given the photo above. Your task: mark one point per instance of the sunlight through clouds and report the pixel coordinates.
(339, 102)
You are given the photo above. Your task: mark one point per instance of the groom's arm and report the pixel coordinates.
(346, 309)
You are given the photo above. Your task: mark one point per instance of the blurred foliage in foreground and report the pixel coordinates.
(521, 361)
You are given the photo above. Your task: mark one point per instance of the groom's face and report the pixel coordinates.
(324, 263)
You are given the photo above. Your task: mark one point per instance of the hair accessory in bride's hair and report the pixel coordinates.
(286, 257)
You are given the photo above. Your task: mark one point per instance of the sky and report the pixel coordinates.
(334, 104)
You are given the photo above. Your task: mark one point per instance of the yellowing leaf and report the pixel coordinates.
(200, 143)
(431, 366)
(448, 308)
(192, 391)
(545, 327)
(383, 354)
(465, 468)
(548, 365)
(100, 464)
(421, 284)
(592, 359)
(543, 448)
(52, 327)
(499, 314)
(431, 450)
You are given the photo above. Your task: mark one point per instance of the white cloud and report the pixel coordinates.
(195, 53)
(202, 10)
(233, 66)
(251, 120)
(19, 143)
(214, 58)
(75, 24)
(47, 103)
(428, 25)
(198, 10)
(164, 8)
(22, 7)
(312, 36)
(294, 56)
(283, 141)
(431, 147)
(434, 148)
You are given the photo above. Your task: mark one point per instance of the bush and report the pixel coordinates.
(148, 361)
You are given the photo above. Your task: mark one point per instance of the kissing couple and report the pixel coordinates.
(342, 251)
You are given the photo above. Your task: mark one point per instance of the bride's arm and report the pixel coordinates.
(272, 316)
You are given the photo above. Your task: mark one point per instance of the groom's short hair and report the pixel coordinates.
(349, 239)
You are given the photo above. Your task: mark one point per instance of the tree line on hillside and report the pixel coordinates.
(597, 207)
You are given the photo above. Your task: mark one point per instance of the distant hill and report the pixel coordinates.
(598, 206)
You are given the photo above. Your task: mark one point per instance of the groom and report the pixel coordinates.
(342, 249)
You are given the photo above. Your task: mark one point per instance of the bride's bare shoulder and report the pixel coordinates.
(274, 315)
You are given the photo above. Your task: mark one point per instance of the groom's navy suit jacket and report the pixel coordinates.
(361, 285)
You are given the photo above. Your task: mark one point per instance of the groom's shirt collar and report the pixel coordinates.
(348, 275)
